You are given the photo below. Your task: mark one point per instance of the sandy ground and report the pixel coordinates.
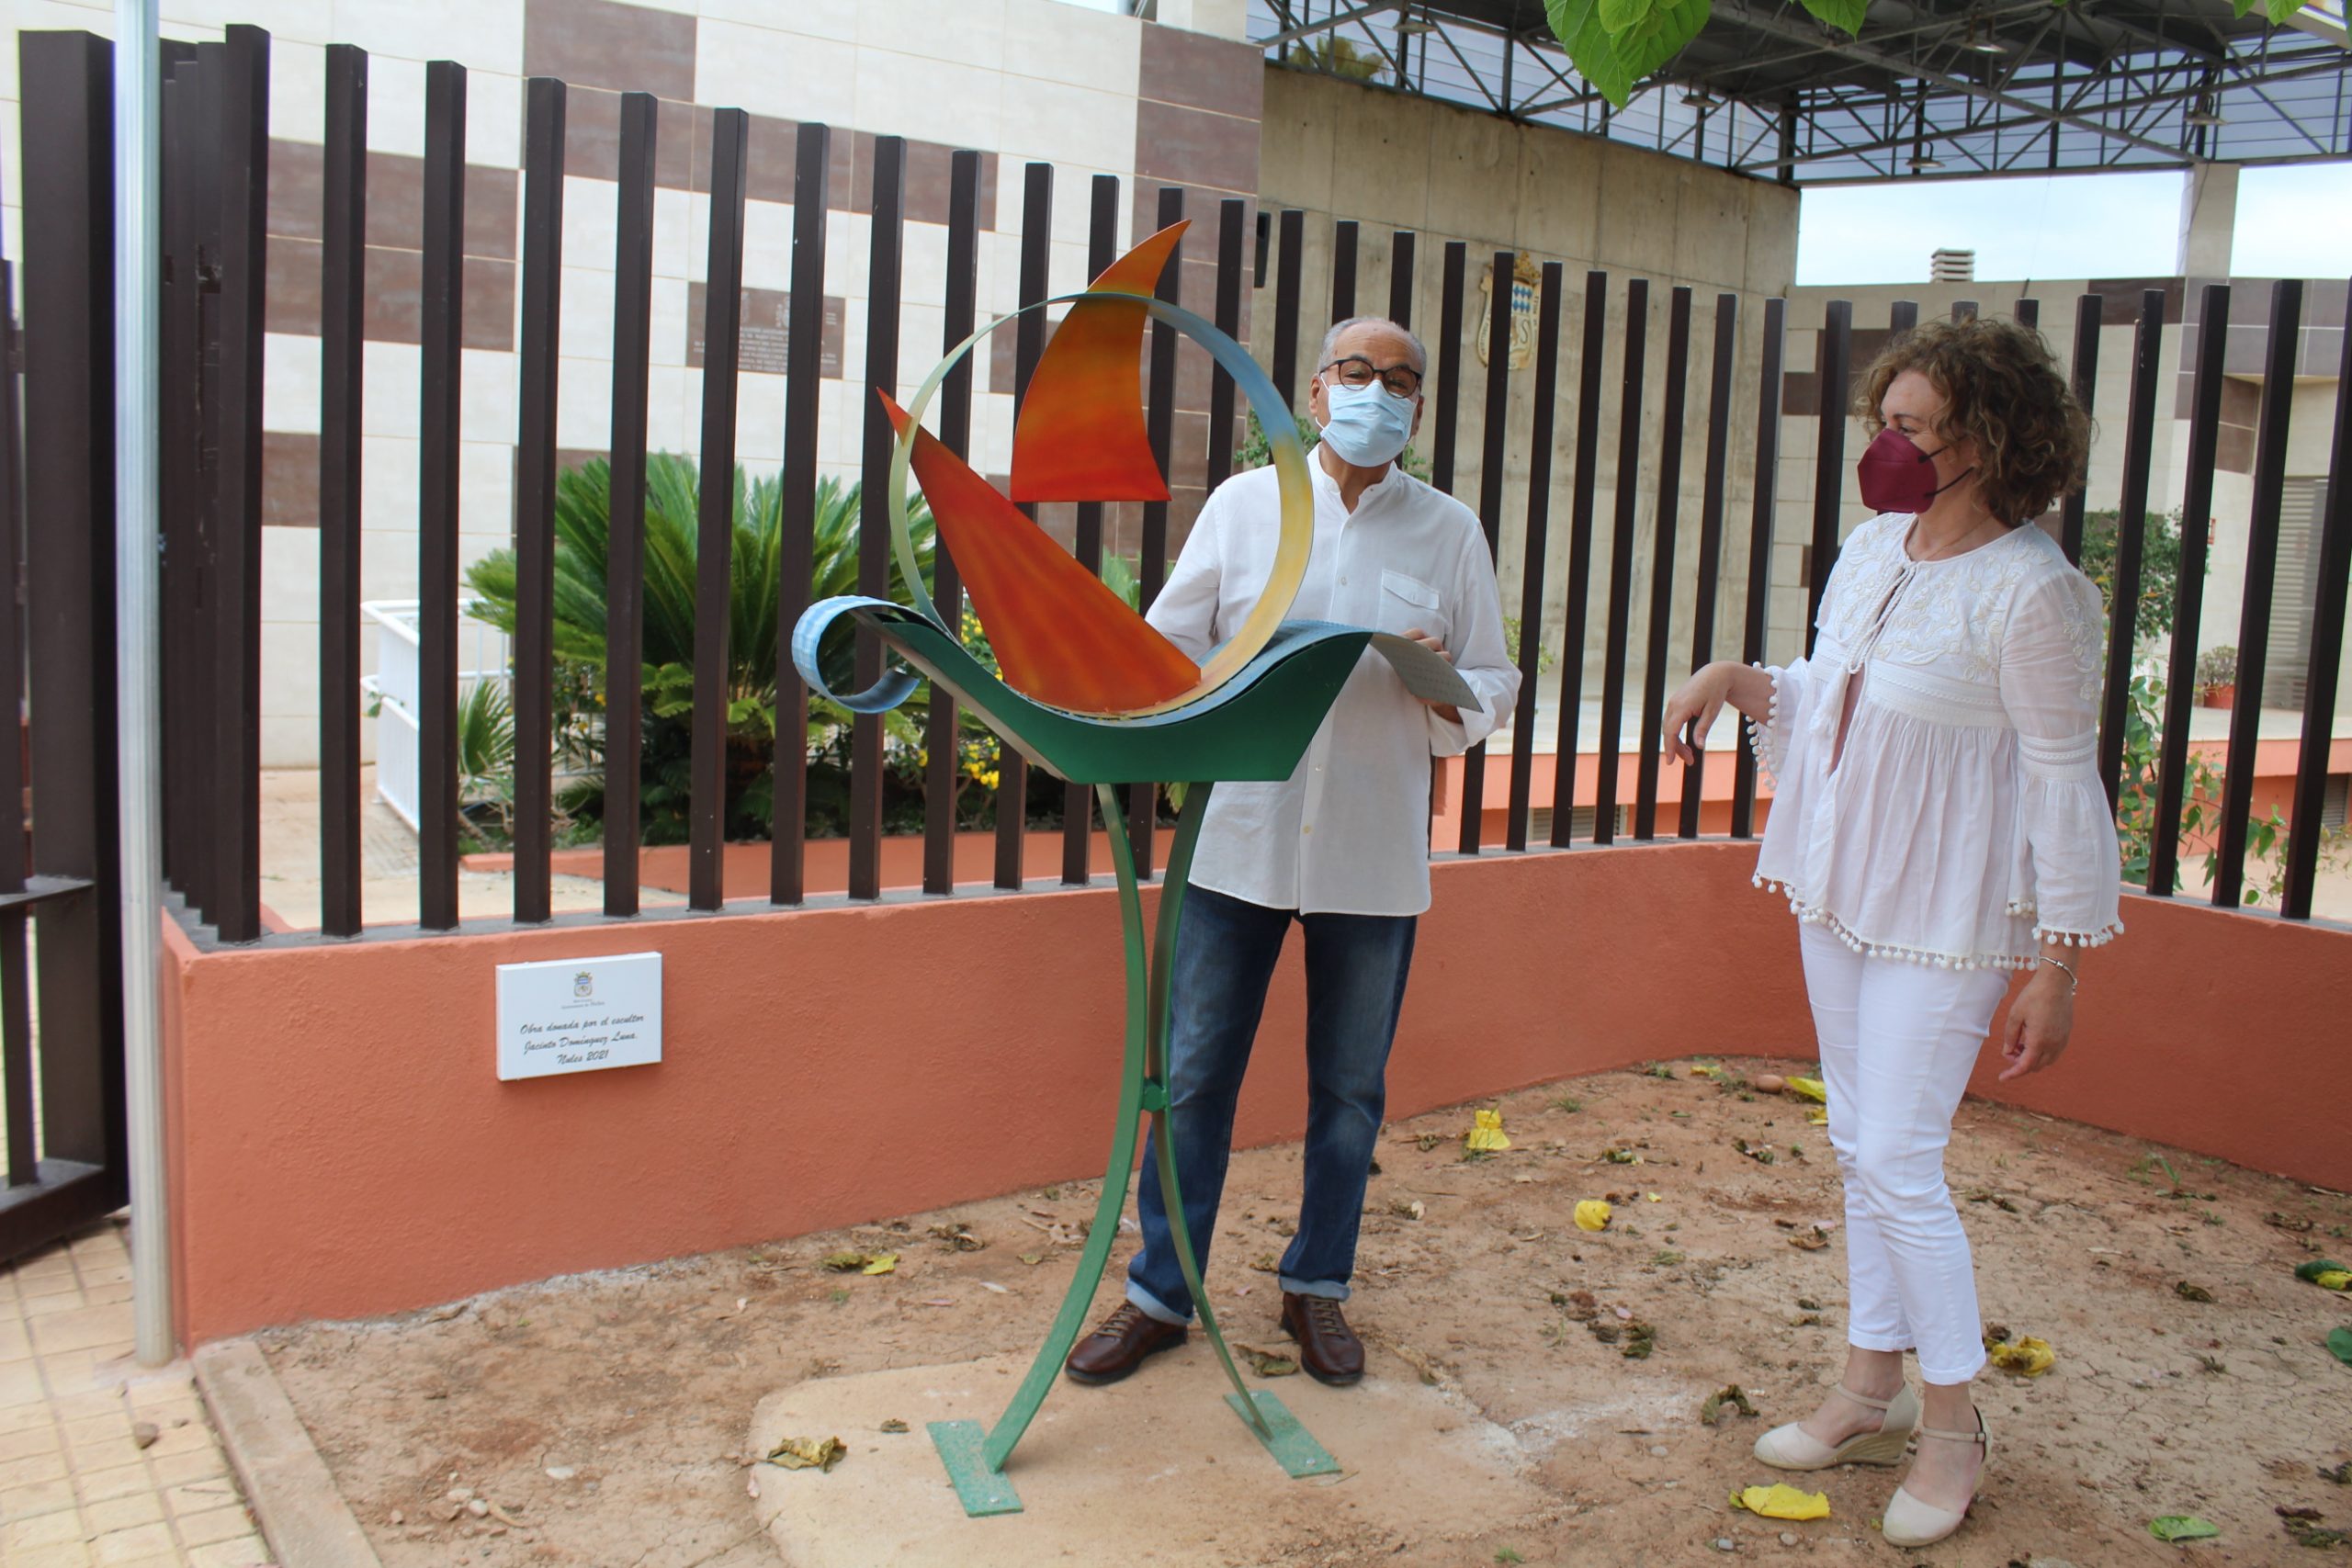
(603, 1418)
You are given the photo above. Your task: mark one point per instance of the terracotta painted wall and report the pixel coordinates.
(342, 1146)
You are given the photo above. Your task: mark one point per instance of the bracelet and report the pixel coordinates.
(2074, 981)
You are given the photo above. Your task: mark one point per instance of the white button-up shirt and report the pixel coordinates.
(1348, 832)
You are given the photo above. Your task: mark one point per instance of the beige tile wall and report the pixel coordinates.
(1020, 79)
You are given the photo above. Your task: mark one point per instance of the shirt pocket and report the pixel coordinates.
(1407, 602)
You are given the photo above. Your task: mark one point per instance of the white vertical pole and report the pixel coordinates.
(137, 266)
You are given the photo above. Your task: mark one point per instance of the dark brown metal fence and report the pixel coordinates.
(216, 100)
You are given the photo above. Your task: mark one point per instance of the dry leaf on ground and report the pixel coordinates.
(1781, 1501)
(2029, 1356)
(808, 1453)
(1592, 1214)
(1485, 1134)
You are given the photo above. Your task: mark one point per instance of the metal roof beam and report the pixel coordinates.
(1308, 29)
(1864, 54)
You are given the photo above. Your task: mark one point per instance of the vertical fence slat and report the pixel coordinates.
(625, 548)
(244, 147)
(1964, 310)
(944, 773)
(731, 132)
(1448, 362)
(1343, 269)
(1532, 564)
(2197, 504)
(1078, 800)
(2327, 651)
(886, 257)
(1580, 499)
(1233, 220)
(1143, 798)
(804, 369)
(1670, 508)
(1286, 286)
(437, 522)
(1620, 560)
(1757, 610)
(2130, 526)
(15, 1002)
(343, 293)
(1902, 315)
(2261, 573)
(1834, 366)
(2028, 312)
(1029, 346)
(1710, 536)
(176, 370)
(68, 606)
(1496, 435)
(202, 388)
(543, 118)
(2084, 374)
(1401, 278)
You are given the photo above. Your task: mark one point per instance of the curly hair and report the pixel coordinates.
(2002, 390)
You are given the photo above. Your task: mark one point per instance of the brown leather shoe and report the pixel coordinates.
(1328, 1347)
(1119, 1345)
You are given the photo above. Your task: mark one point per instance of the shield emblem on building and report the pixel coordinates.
(1526, 272)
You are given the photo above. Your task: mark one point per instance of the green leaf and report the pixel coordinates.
(2182, 1526)
(1616, 15)
(1846, 16)
(1616, 62)
(2279, 11)
(2339, 1344)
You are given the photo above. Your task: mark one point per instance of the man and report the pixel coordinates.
(1341, 846)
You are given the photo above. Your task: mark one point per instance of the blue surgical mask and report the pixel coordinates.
(1368, 426)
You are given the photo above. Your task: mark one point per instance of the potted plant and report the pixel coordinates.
(2217, 677)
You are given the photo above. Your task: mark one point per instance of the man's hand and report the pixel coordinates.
(1436, 645)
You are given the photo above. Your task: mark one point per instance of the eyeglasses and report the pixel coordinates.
(1401, 380)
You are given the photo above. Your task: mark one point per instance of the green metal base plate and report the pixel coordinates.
(1293, 1446)
(983, 1491)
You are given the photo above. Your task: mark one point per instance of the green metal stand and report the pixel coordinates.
(976, 1458)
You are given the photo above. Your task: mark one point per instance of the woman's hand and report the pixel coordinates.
(2040, 1019)
(1700, 699)
(1703, 697)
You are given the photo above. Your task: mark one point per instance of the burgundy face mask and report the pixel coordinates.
(1896, 476)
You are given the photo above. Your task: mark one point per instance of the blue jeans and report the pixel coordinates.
(1225, 950)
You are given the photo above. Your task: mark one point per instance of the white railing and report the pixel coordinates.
(394, 690)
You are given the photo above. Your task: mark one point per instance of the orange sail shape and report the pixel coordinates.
(1081, 436)
(1060, 637)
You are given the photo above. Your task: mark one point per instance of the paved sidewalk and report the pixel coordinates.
(76, 1487)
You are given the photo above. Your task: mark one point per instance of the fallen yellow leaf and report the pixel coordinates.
(1816, 1119)
(808, 1453)
(1809, 1089)
(881, 1263)
(2030, 1357)
(2336, 1279)
(1485, 1134)
(1592, 1214)
(1781, 1501)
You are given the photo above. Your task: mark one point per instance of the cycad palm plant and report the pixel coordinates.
(673, 497)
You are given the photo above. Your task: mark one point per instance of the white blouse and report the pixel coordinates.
(1963, 820)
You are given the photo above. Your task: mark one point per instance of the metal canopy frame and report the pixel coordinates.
(1932, 89)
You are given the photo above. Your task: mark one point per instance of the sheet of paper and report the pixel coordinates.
(1426, 675)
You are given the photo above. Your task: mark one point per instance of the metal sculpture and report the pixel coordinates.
(1090, 691)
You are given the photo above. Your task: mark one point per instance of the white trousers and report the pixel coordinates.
(1898, 1042)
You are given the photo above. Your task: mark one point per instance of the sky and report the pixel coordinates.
(2293, 222)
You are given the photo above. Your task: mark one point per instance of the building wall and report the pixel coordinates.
(1337, 150)
(1019, 79)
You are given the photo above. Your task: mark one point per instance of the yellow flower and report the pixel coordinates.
(1592, 1214)
(1485, 1134)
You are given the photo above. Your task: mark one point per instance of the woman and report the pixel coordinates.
(1937, 823)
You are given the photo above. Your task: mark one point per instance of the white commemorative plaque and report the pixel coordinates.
(578, 1015)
